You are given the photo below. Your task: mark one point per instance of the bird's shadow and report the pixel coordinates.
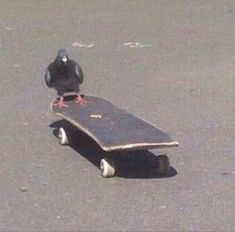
(135, 164)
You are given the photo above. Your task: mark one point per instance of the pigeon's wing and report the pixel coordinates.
(79, 73)
(48, 78)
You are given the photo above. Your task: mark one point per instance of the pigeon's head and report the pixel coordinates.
(62, 57)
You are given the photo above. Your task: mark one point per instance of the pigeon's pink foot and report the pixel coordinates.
(80, 100)
(60, 103)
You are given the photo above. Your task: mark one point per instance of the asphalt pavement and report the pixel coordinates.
(169, 62)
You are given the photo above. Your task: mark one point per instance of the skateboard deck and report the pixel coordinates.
(110, 127)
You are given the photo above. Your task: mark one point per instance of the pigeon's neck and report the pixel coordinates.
(63, 70)
(60, 65)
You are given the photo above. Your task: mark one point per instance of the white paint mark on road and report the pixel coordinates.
(162, 206)
(9, 28)
(136, 45)
(90, 45)
(16, 65)
(81, 45)
(128, 43)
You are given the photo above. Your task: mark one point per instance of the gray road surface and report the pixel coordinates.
(170, 62)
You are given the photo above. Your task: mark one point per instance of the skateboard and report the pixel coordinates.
(113, 129)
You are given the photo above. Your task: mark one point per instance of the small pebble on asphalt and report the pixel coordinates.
(23, 189)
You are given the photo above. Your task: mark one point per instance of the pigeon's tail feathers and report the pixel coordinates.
(48, 79)
(79, 73)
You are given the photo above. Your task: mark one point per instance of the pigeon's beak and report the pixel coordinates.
(64, 59)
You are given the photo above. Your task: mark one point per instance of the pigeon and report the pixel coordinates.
(64, 75)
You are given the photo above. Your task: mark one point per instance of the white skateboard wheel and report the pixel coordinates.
(164, 165)
(63, 137)
(107, 167)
